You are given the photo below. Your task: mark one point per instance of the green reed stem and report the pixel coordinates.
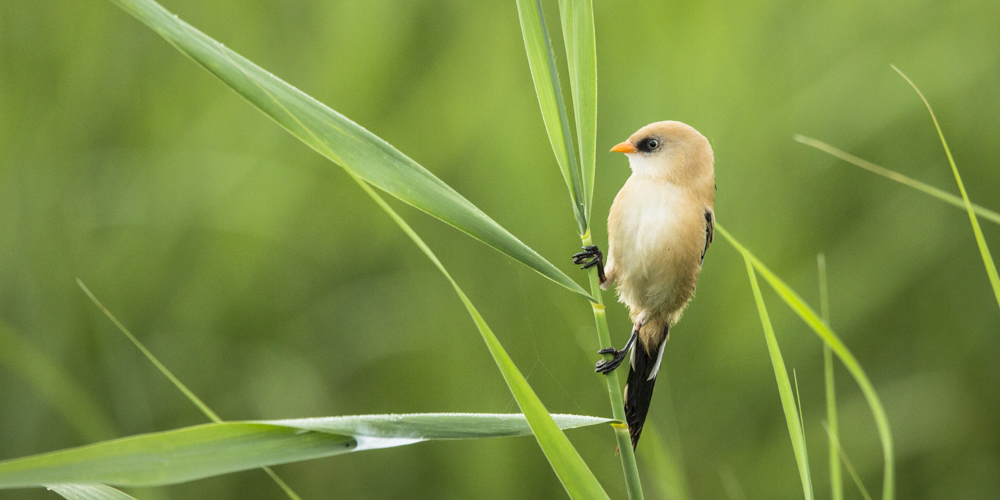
(632, 483)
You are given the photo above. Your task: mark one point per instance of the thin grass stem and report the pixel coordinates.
(847, 463)
(940, 194)
(836, 480)
(991, 268)
(802, 428)
(177, 383)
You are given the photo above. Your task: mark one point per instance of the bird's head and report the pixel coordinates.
(670, 150)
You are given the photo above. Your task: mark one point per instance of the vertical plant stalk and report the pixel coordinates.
(836, 480)
(632, 484)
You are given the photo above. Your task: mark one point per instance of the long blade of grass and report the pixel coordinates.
(55, 387)
(792, 417)
(88, 492)
(333, 135)
(544, 73)
(898, 177)
(212, 449)
(581, 57)
(850, 468)
(991, 268)
(836, 481)
(831, 339)
(177, 383)
(569, 467)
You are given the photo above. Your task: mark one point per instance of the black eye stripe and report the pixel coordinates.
(649, 144)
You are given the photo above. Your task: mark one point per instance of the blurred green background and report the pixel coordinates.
(269, 283)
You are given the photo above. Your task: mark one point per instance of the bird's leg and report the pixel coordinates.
(591, 251)
(607, 366)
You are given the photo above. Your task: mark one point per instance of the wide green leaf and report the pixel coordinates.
(581, 57)
(88, 492)
(544, 73)
(338, 138)
(792, 414)
(823, 330)
(212, 449)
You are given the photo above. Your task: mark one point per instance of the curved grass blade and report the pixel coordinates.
(569, 467)
(831, 339)
(177, 383)
(991, 268)
(88, 492)
(544, 73)
(55, 387)
(836, 481)
(333, 135)
(942, 195)
(212, 449)
(792, 415)
(581, 57)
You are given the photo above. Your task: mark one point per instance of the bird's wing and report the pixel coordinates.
(709, 231)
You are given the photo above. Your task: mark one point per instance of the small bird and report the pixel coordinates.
(659, 228)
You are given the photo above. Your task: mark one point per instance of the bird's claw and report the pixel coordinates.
(606, 366)
(593, 253)
(588, 252)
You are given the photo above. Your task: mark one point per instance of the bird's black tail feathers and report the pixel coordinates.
(639, 389)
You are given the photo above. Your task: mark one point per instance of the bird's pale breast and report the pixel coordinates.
(656, 236)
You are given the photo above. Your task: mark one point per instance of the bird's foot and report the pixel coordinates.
(607, 366)
(597, 259)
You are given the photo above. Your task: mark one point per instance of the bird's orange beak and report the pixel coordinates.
(625, 147)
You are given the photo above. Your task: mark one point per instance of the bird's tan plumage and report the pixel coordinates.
(659, 229)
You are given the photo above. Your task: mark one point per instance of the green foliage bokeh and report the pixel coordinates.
(269, 283)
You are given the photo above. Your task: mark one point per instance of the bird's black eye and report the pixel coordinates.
(653, 144)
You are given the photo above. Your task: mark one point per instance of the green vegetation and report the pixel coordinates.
(274, 289)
